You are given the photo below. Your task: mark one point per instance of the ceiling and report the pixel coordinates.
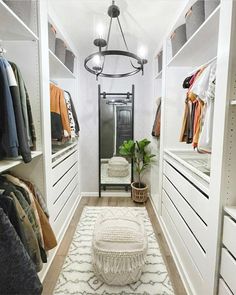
(145, 22)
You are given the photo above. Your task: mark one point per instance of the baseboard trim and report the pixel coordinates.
(106, 194)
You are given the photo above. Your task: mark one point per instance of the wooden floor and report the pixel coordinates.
(54, 271)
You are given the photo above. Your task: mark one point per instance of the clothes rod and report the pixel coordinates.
(109, 93)
(203, 65)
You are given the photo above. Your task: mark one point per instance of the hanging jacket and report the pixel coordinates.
(23, 100)
(24, 148)
(157, 122)
(59, 114)
(36, 221)
(49, 238)
(8, 133)
(24, 211)
(18, 274)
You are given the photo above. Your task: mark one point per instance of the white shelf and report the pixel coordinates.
(57, 69)
(12, 27)
(188, 158)
(159, 75)
(202, 46)
(10, 163)
(231, 210)
(63, 151)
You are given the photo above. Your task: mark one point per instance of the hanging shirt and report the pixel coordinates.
(205, 139)
(70, 114)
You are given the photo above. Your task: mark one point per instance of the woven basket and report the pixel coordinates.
(139, 195)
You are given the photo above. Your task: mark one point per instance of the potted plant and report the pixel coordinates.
(141, 155)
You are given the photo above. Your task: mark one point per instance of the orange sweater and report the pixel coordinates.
(58, 105)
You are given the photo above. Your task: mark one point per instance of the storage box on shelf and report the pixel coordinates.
(190, 54)
(59, 47)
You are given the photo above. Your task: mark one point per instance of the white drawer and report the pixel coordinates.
(193, 196)
(228, 270)
(193, 221)
(229, 235)
(59, 170)
(196, 252)
(223, 288)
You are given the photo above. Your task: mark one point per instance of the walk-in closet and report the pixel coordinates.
(117, 147)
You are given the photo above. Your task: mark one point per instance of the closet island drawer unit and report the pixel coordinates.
(229, 235)
(185, 204)
(195, 195)
(223, 288)
(65, 188)
(228, 269)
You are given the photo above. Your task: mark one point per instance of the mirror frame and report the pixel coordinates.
(102, 95)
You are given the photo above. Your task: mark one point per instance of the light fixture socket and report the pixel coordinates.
(113, 10)
(99, 42)
(143, 61)
(97, 69)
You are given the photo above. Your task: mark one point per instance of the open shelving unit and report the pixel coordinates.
(197, 191)
(191, 52)
(57, 69)
(16, 29)
(7, 164)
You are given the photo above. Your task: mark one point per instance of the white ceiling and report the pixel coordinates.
(145, 22)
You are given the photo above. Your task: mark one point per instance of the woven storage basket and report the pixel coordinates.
(160, 58)
(194, 18)
(69, 60)
(139, 195)
(51, 37)
(22, 8)
(210, 6)
(178, 38)
(60, 49)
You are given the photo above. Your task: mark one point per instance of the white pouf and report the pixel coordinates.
(119, 246)
(118, 167)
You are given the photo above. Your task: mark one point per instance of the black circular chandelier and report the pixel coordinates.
(113, 12)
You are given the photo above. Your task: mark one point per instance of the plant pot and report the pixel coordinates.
(139, 195)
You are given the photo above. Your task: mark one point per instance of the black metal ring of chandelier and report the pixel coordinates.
(99, 72)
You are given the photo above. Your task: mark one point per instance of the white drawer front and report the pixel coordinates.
(59, 170)
(195, 197)
(190, 242)
(229, 235)
(193, 221)
(228, 269)
(182, 253)
(223, 288)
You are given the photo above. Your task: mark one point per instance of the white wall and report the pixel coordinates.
(88, 116)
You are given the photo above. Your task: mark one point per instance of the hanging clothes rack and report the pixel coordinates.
(203, 65)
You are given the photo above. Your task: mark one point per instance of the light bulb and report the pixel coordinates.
(100, 30)
(97, 60)
(142, 52)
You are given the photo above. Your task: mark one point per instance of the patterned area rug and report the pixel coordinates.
(77, 275)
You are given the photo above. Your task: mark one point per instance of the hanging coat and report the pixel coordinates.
(8, 133)
(18, 274)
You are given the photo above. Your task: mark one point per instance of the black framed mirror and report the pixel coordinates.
(116, 124)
